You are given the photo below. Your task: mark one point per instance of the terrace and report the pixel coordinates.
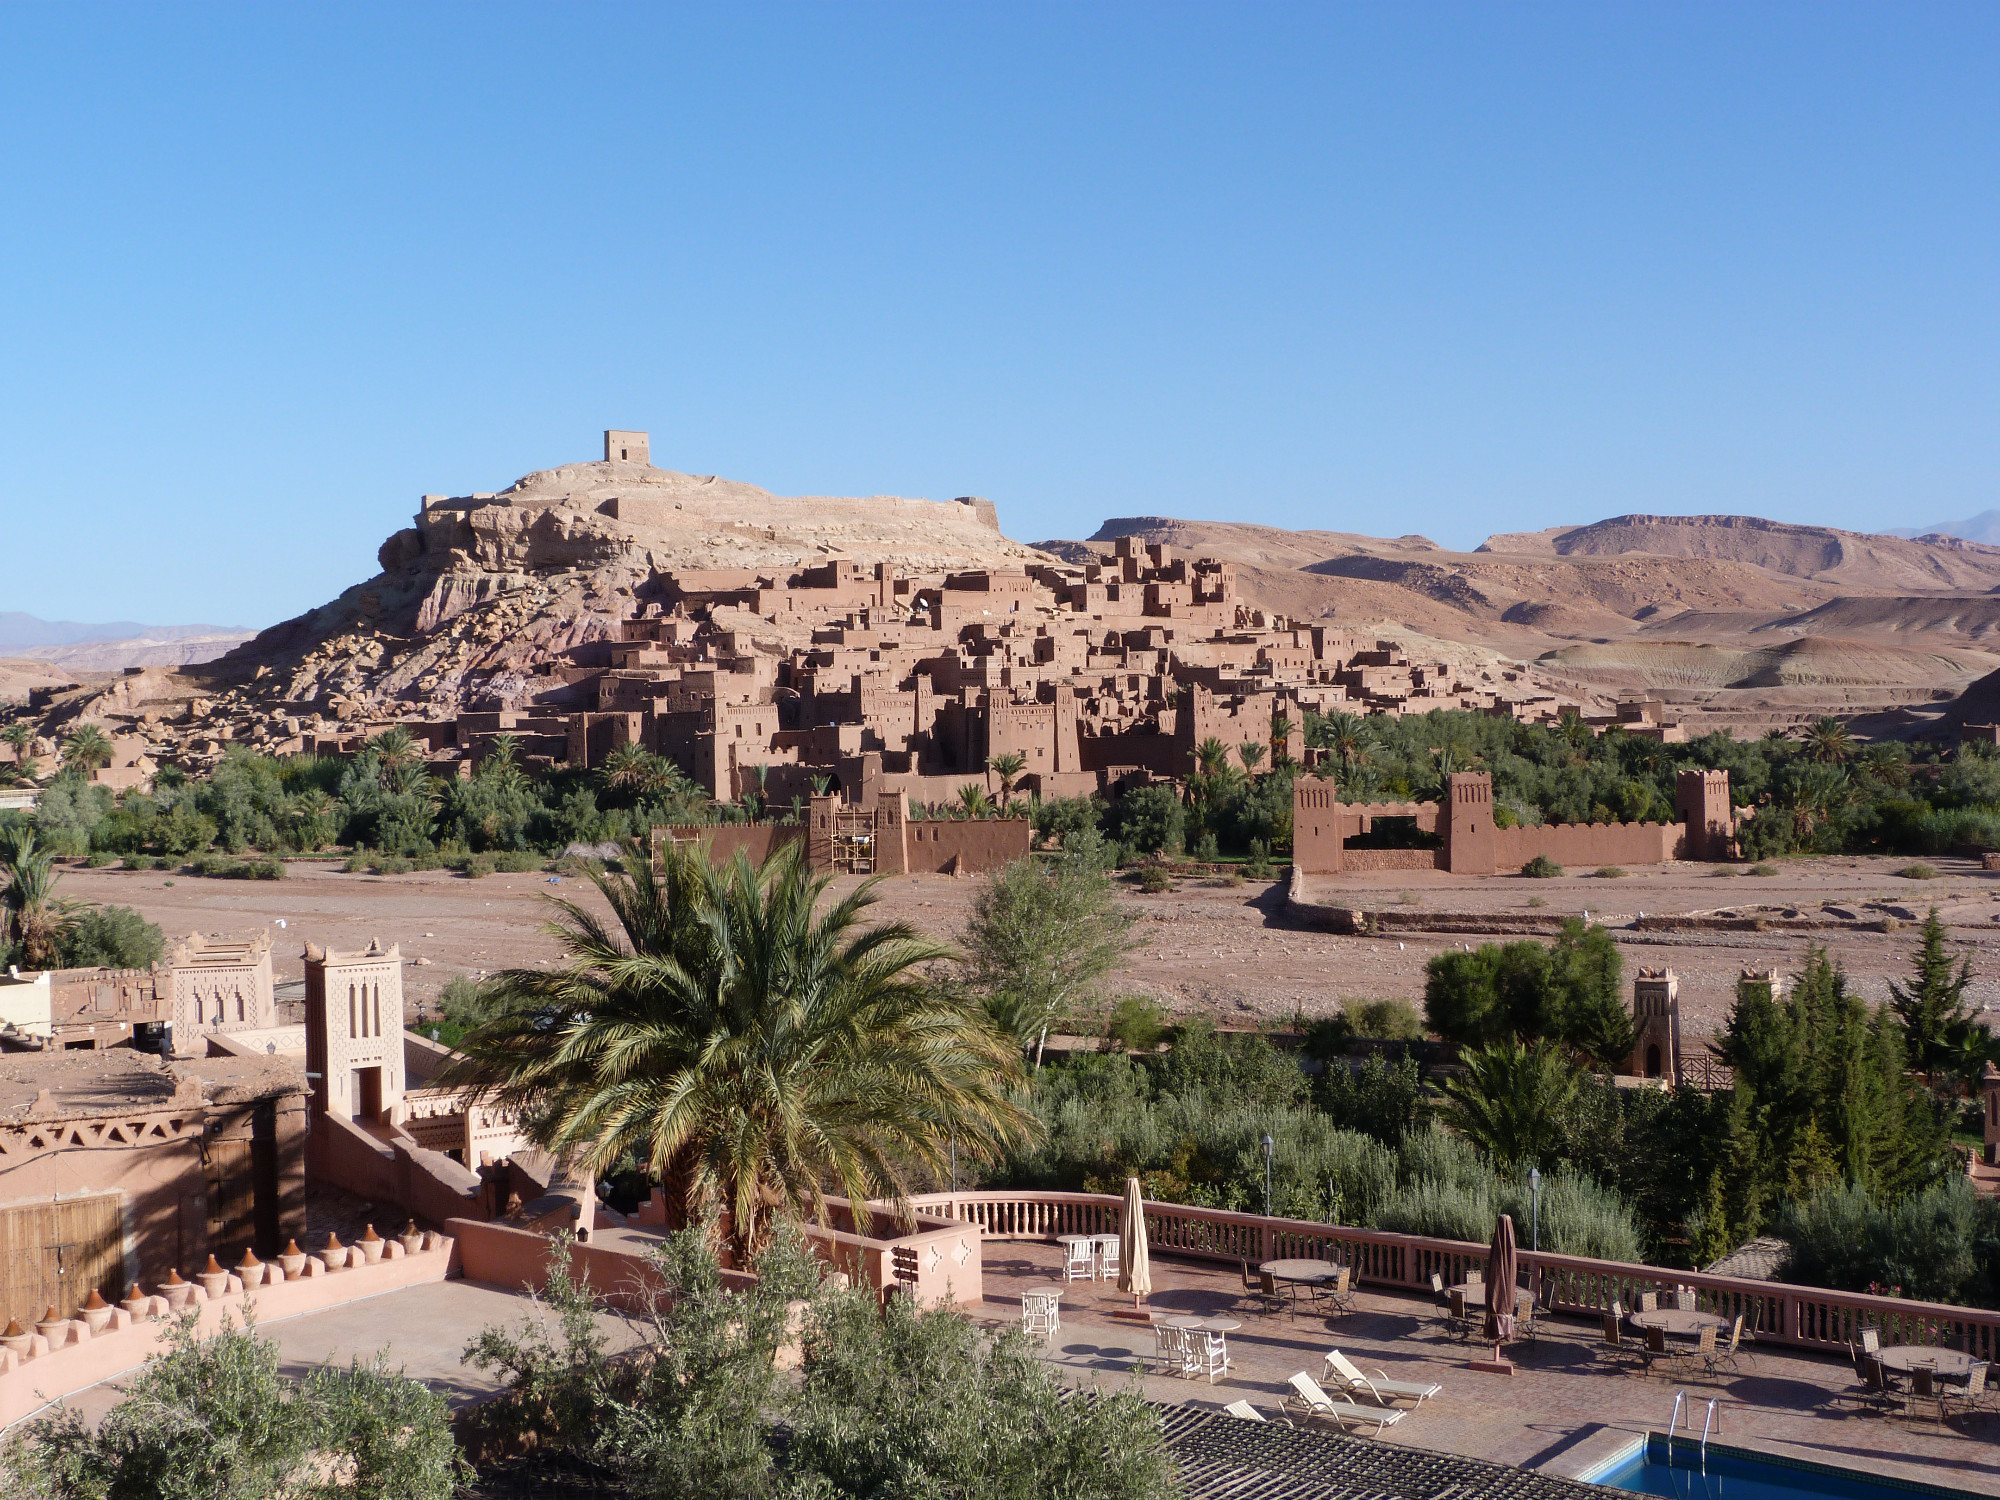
(1562, 1413)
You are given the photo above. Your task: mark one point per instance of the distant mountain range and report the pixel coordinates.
(113, 645)
(1984, 527)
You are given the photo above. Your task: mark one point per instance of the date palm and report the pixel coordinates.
(753, 1052)
(1211, 757)
(1252, 753)
(86, 748)
(1513, 1101)
(1008, 767)
(21, 736)
(972, 800)
(1828, 742)
(34, 922)
(627, 768)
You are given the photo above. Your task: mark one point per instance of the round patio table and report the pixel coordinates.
(1300, 1270)
(1679, 1322)
(1042, 1289)
(1950, 1364)
(1196, 1324)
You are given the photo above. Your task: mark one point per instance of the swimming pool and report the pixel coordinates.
(1733, 1474)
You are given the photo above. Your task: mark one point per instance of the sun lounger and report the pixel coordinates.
(1310, 1401)
(1344, 1376)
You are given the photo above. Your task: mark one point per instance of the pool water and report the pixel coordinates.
(1731, 1474)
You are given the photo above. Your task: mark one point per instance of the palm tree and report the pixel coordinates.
(1211, 757)
(626, 768)
(1008, 767)
(86, 748)
(972, 800)
(394, 749)
(21, 736)
(749, 1049)
(1281, 740)
(33, 923)
(1513, 1101)
(1252, 752)
(1828, 742)
(1347, 737)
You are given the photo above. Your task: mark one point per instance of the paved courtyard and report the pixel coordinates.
(1563, 1411)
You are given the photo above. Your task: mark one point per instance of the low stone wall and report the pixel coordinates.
(70, 1357)
(939, 1263)
(1391, 859)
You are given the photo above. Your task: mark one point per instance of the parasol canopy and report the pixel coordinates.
(1135, 1272)
(1501, 1269)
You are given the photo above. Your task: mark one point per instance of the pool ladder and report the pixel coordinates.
(1713, 1418)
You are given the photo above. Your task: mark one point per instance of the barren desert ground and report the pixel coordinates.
(1231, 951)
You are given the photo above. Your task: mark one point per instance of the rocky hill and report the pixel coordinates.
(1741, 621)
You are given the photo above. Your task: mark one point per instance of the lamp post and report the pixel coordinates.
(1268, 1144)
(1534, 1208)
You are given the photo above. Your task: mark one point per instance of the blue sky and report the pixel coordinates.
(273, 271)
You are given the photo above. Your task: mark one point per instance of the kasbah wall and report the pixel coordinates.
(1474, 845)
(874, 837)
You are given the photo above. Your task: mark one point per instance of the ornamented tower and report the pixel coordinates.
(354, 1032)
(1656, 1026)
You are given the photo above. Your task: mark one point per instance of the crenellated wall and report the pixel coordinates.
(1589, 844)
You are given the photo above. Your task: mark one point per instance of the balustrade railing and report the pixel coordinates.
(1805, 1317)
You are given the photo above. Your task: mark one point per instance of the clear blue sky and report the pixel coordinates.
(273, 271)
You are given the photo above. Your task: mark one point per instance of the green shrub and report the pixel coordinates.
(1918, 872)
(1136, 1023)
(1763, 869)
(141, 862)
(1258, 866)
(1541, 867)
(96, 861)
(115, 936)
(1155, 879)
(1387, 1020)
(217, 1416)
(1611, 872)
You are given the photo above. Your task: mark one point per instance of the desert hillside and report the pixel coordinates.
(1742, 622)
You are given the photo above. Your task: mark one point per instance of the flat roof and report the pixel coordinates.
(110, 1080)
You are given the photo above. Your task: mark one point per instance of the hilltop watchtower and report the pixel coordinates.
(627, 447)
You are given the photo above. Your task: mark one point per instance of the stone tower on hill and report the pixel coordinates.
(627, 447)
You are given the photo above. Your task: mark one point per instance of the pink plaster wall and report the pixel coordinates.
(82, 1360)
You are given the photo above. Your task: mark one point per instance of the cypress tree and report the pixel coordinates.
(1932, 1009)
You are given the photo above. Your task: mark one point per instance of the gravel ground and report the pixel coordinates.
(1229, 951)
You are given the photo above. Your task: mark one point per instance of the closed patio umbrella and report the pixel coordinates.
(1135, 1272)
(1501, 1269)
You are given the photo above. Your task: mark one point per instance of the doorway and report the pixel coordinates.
(368, 1094)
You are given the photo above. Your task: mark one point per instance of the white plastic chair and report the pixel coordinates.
(1107, 1256)
(1039, 1318)
(1210, 1354)
(1172, 1348)
(1079, 1261)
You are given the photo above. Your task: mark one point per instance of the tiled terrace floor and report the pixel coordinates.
(1561, 1407)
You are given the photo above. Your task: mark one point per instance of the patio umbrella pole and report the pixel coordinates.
(1501, 1270)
